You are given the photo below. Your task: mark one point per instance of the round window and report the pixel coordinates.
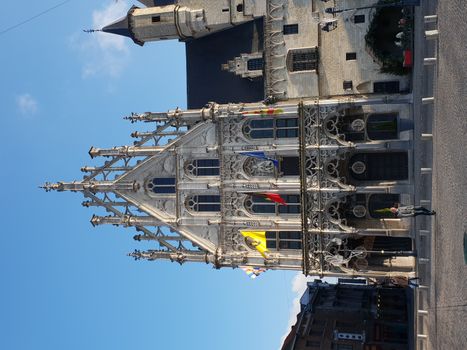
(358, 125)
(358, 167)
(359, 211)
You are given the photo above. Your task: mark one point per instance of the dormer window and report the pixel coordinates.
(162, 185)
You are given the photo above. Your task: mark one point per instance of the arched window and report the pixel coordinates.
(379, 166)
(269, 128)
(257, 204)
(283, 240)
(162, 185)
(203, 167)
(204, 203)
(288, 166)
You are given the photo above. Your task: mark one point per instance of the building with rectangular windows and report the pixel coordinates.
(311, 173)
(248, 50)
(353, 317)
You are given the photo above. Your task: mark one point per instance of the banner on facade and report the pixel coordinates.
(261, 155)
(273, 197)
(256, 240)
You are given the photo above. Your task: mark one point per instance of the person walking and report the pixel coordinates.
(406, 211)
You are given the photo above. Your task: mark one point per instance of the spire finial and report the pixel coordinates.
(136, 254)
(147, 117)
(133, 117)
(91, 30)
(50, 186)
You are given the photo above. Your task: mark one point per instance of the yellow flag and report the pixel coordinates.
(256, 239)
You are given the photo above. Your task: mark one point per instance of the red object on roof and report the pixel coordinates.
(407, 58)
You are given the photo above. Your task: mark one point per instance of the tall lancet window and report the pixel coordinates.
(271, 128)
(202, 167)
(257, 204)
(284, 240)
(162, 185)
(204, 203)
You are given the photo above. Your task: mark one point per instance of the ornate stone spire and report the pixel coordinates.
(178, 256)
(91, 186)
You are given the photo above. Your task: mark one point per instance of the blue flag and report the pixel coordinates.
(261, 155)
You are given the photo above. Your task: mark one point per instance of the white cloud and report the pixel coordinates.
(103, 53)
(299, 283)
(100, 18)
(26, 104)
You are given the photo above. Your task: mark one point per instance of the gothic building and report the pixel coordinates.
(200, 182)
(338, 162)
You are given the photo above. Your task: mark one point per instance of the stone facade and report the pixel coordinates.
(335, 169)
(337, 158)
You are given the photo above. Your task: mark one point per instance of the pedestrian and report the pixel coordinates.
(406, 211)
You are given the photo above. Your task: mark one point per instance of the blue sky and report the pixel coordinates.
(66, 285)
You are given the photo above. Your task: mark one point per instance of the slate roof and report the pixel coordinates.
(206, 81)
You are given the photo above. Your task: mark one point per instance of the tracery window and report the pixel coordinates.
(357, 126)
(288, 166)
(258, 204)
(162, 185)
(379, 166)
(283, 240)
(204, 203)
(270, 128)
(203, 167)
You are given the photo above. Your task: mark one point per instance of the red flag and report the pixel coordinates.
(275, 197)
